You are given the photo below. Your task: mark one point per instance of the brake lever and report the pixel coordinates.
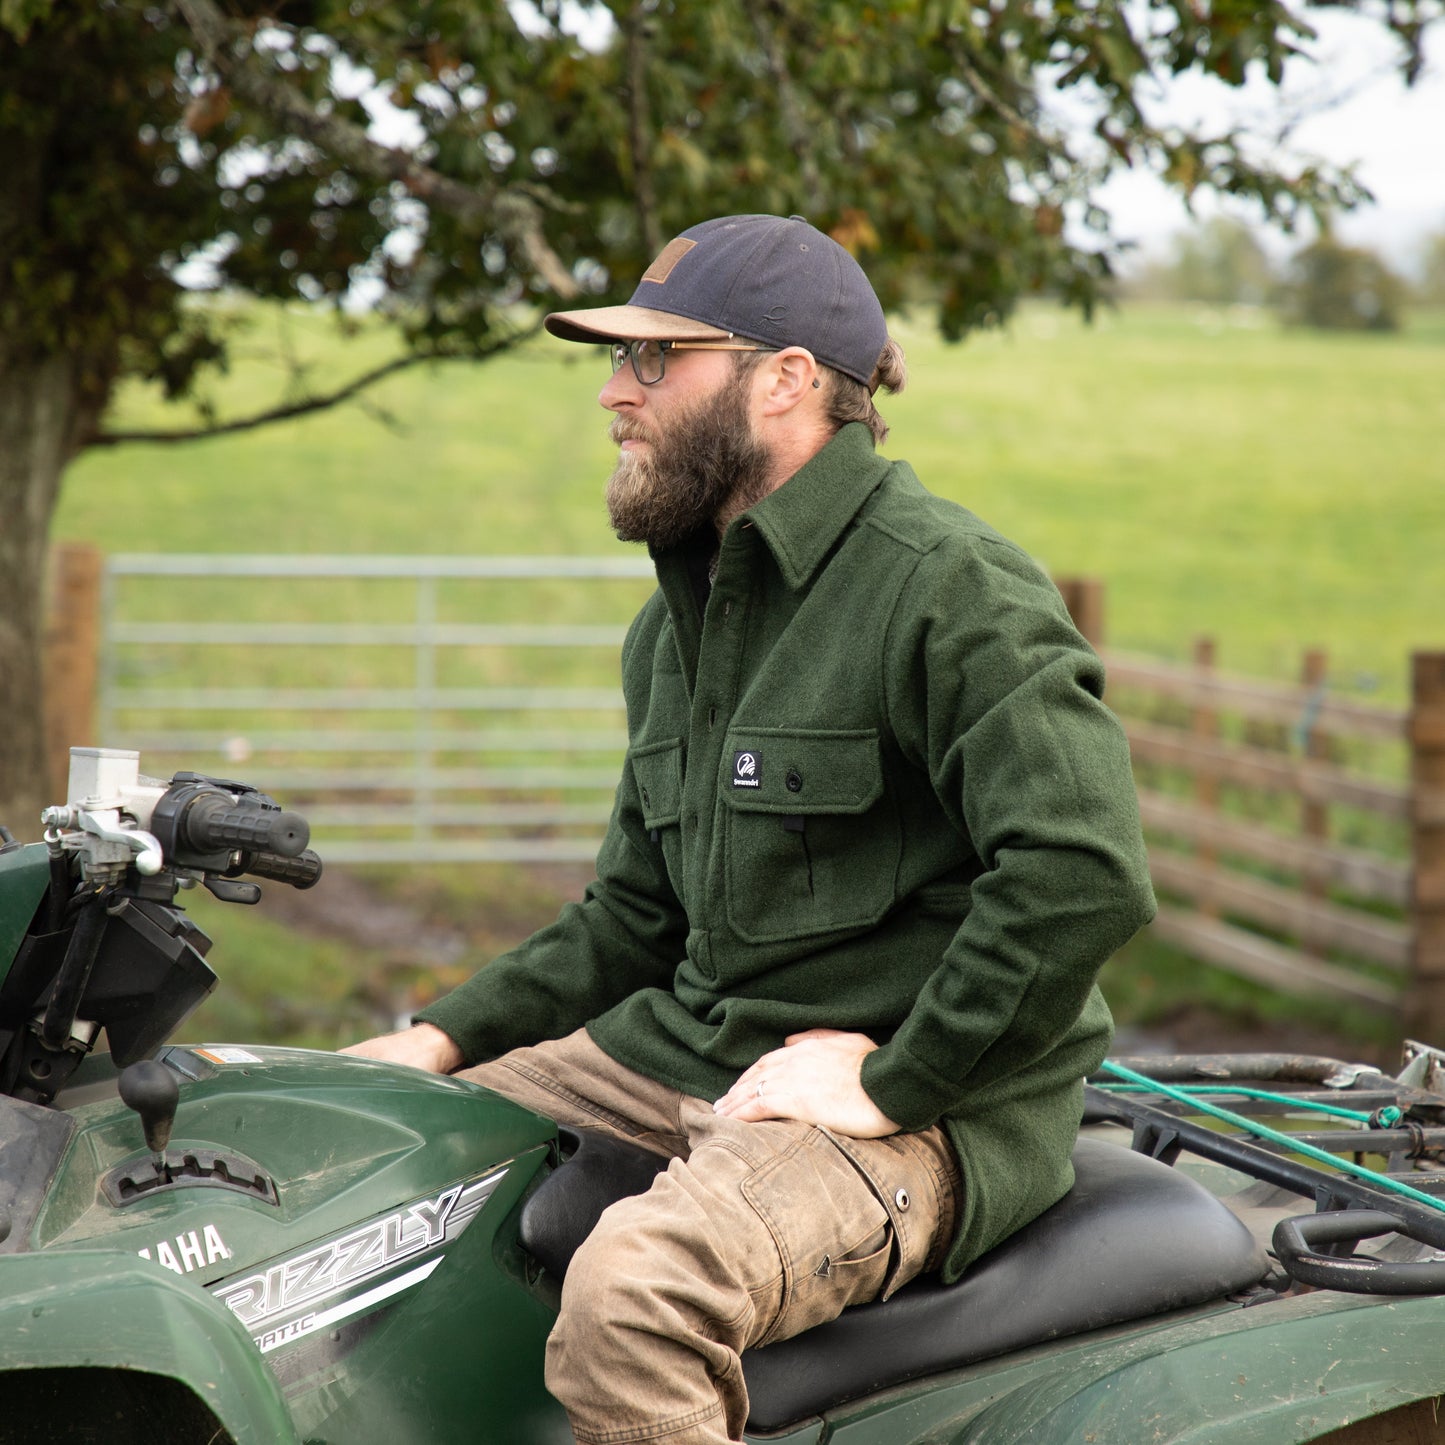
(232, 890)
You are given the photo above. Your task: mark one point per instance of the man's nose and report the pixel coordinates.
(621, 390)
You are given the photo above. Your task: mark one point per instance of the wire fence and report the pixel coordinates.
(418, 709)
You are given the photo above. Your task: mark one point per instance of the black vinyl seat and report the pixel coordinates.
(1132, 1238)
(599, 1171)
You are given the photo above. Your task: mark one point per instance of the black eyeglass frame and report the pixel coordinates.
(622, 351)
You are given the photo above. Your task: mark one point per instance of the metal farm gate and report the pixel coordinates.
(417, 709)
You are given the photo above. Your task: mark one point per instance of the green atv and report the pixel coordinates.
(220, 1242)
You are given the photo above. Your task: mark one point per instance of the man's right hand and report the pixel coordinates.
(423, 1046)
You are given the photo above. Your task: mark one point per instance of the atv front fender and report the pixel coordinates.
(96, 1311)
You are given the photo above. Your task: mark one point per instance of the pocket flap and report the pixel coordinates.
(801, 771)
(658, 770)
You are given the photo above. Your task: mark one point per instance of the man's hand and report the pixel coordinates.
(423, 1046)
(812, 1078)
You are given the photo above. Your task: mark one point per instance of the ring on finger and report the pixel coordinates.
(758, 1092)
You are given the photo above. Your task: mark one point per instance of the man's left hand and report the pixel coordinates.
(813, 1078)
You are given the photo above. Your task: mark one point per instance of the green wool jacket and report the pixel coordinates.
(870, 785)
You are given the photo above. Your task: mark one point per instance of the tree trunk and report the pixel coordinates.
(45, 411)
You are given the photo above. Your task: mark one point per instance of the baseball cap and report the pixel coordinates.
(772, 279)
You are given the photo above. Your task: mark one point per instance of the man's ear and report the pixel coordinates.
(790, 377)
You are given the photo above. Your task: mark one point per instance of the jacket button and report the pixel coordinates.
(646, 801)
(901, 1199)
(794, 781)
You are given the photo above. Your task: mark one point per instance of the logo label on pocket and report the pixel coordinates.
(747, 770)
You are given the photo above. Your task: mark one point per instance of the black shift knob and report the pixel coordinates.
(151, 1090)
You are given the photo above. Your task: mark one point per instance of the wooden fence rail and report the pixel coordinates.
(1296, 837)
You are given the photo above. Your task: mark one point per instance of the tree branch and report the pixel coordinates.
(515, 215)
(296, 409)
(795, 126)
(637, 129)
(1011, 114)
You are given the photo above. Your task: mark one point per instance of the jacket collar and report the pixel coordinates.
(803, 520)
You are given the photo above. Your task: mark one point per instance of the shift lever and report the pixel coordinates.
(151, 1090)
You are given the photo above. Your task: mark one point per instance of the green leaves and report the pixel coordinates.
(920, 132)
(17, 16)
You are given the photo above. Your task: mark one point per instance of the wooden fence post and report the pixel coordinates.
(72, 657)
(1425, 998)
(1204, 723)
(1315, 816)
(1084, 597)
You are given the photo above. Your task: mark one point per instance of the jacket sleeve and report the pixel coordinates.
(627, 933)
(993, 691)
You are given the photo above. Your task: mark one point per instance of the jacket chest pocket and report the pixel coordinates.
(812, 841)
(657, 769)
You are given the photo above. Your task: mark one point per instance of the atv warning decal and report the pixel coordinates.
(318, 1288)
(228, 1054)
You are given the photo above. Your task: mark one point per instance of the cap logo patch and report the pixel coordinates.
(747, 770)
(667, 259)
(776, 316)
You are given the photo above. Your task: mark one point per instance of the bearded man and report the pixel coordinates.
(874, 838)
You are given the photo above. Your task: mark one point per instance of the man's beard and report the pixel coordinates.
(707, 461)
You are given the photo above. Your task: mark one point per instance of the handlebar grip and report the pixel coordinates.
(213, 824)
(302, 871)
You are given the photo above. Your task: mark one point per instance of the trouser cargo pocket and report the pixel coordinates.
(915, 1177)
(833, 1239)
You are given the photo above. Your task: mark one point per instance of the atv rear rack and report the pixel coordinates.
(1400, 1124)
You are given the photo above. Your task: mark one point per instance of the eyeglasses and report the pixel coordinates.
(649, 358)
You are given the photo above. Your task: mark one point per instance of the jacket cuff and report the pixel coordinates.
(907, 1091)
(452, 1016)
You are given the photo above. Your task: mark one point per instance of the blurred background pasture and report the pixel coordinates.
(1274, 487)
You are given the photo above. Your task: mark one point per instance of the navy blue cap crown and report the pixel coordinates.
(776, 280)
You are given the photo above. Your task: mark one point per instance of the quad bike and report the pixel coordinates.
(233, 1242)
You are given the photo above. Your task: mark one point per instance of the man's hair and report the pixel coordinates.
(844, 399)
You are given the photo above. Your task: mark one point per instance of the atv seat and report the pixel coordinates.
(1132, 1238)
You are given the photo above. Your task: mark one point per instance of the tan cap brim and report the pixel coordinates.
(629, 323)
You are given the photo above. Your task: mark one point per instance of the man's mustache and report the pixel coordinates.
(624, 430)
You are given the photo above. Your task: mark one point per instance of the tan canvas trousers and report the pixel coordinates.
(754, 1233)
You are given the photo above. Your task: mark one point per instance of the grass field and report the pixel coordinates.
(1275, 489)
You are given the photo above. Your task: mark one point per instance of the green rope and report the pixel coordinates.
(1386, 1117)
(1295, 1146)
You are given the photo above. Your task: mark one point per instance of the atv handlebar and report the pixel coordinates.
(195, 827)
(109, 946)
(214, 822)
(302, 871)
(203, 823)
